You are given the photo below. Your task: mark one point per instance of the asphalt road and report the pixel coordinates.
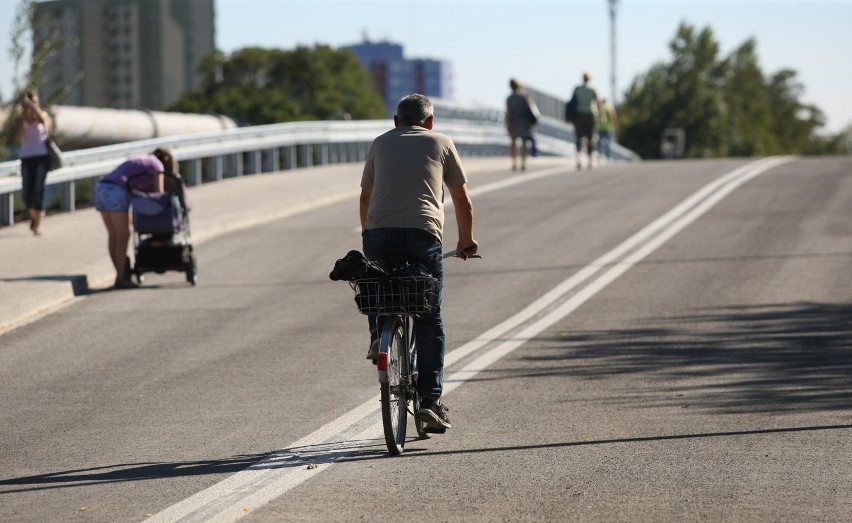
(648, 342)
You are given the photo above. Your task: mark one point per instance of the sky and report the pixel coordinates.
(547, 44)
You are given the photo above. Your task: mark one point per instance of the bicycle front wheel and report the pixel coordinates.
(393, 386)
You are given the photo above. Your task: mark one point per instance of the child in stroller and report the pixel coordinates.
(161, 227)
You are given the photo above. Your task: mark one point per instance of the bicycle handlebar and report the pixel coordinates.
(455, 254)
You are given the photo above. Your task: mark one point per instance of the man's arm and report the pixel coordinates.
(464, 217)
(364, 205)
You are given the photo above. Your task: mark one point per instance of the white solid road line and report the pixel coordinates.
(359, 430)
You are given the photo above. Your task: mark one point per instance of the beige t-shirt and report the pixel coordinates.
(406, 169)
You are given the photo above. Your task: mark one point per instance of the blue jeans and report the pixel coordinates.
(390, 244)
(604, 143)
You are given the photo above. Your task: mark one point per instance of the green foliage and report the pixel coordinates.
(726, 106)
(260, 86)
(21, 30)
(25, 78)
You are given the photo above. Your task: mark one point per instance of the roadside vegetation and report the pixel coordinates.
(726, 106)
(260, 86)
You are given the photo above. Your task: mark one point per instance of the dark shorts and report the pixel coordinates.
(584, 125)
(520, 131)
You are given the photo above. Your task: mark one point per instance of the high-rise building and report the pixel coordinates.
(396, 76)
(140, 54)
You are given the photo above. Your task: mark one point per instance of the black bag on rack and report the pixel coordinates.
(355, 266)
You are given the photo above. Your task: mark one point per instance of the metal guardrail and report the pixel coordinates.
(215, 155)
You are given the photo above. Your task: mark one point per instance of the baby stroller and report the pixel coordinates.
(161, 228)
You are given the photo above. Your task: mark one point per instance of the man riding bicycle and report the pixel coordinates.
(402, 216)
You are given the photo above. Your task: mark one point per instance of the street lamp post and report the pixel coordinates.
(613, 6)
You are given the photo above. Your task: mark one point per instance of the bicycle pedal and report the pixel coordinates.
(434, 430)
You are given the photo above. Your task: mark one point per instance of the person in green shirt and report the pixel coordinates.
(584, 121)
(607, 120)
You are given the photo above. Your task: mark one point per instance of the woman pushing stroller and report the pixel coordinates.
(112, 199)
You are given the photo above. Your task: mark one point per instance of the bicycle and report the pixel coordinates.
(397, 300)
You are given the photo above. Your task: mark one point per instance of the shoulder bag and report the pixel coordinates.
(54, 153)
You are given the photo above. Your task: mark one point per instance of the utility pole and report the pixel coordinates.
(613, 6)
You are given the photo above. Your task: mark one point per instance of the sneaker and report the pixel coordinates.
(433, 414)
(373, 352)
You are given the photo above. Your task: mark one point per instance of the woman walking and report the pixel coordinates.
(521, 118)
(34, 126)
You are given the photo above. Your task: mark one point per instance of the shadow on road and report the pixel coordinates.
(317, 455)
(290, 458)
(761, 358)
(632, 440)
(128, 472)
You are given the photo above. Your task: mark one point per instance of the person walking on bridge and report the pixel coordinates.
(607, 121)
(521, 118)
(402, 216)
(584, 120)
(33, 128)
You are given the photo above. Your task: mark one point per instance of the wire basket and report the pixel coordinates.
(396, 295)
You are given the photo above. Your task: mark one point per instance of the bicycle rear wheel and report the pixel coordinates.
(393, 382)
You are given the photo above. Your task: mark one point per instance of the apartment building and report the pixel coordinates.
(395, 76)
(133, 54)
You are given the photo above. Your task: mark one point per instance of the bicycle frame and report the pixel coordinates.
(396, 302)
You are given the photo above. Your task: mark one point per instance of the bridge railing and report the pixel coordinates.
(212, 156)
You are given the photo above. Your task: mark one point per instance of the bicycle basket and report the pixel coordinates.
(396, 295)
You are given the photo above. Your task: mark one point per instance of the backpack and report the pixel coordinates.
(571, 109)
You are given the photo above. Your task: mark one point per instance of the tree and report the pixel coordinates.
(680, 94)
(727, 107)
(28, 63)
(18, 47)
(747, 122)
(260, 86)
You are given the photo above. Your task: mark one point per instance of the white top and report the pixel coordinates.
(32, 143)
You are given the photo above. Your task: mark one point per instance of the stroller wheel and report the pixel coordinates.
(137, 272)
(132, 270)
(191, 271)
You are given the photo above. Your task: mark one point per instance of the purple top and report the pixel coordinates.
(136, 165)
